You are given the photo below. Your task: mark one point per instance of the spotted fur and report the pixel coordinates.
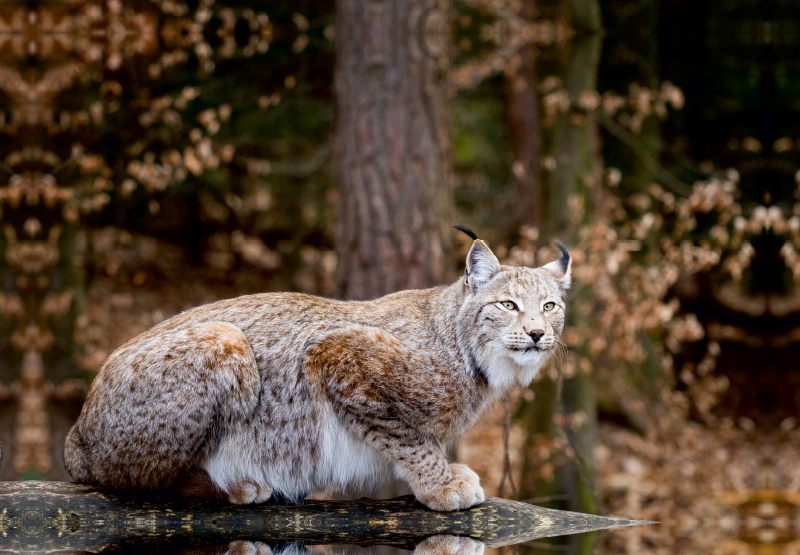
(288, 394)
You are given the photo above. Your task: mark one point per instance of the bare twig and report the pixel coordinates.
(303, 168)
(507, 473)
(640, 151)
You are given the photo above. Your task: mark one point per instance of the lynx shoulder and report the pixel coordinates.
(284, 394)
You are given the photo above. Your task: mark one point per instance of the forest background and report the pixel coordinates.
(159, 154)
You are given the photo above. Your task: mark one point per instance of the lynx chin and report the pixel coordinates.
(285, 394)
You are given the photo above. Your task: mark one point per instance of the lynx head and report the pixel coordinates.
(512, 317)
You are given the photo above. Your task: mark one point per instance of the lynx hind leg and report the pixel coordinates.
(198, 484)
(75, 458)
(449, 545)
(247, 491)
(157, 404)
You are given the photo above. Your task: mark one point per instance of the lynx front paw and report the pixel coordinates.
(449, 545)
(463, 472)
(462, 492)
(248, 548)
(246, 492)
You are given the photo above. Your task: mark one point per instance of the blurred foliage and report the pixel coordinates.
(203, 125)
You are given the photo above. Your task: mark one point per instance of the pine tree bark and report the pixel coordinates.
(393, 144)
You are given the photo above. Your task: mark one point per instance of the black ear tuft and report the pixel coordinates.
(564, 260)
(466, 230)
(562, 268)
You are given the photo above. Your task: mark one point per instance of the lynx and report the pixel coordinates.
(285, 394)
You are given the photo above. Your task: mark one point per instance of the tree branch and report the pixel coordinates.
(55, 517)
(641, 152)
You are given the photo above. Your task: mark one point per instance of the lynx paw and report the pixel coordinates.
(462, 492)
(248, 548)
(449, 545)
(246, 492)
(463, 472)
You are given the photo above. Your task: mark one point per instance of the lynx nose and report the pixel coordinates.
(536, 335)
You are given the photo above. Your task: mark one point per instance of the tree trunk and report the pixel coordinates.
(575, 145)
(573, 190)
(523, 127)
(393, 144)
(57, 517)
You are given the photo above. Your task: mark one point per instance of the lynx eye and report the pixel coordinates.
(508, 305)
(549, 306)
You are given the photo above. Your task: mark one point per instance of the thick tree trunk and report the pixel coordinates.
(579, 142)
(575, 144)
(523, 128)
(573, 189)
(57, 517)
(393, 145)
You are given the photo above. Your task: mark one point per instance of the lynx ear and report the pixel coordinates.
(562, 268)
(482, 264)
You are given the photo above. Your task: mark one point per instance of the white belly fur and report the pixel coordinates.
(345, 465)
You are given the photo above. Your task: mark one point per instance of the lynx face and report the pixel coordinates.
(517, 313)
